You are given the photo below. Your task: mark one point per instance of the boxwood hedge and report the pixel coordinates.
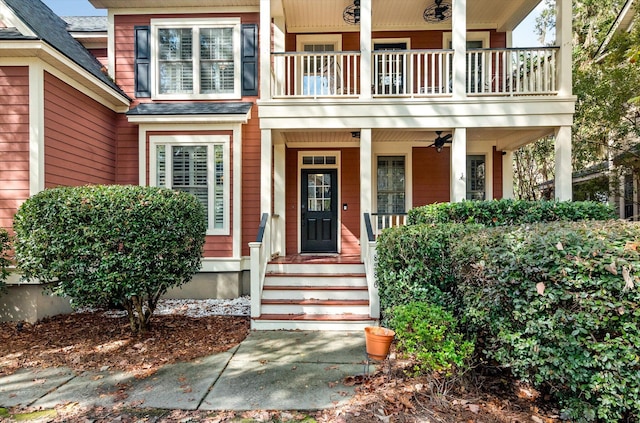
(111, 244)
(559, 304)
(509, 212)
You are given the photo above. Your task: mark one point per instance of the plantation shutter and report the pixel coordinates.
(249, 59)
(142, 67)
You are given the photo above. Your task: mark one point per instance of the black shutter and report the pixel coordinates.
(250, 59)
(142, 72)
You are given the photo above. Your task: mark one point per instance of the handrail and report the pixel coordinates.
(261, 228)
(260, 253)
(367, 225)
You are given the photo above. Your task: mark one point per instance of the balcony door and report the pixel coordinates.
(320, 68)
(390, 67)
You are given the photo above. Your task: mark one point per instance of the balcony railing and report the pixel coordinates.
(329, 74)
(415, 73)
(412, 73)
(512, 71)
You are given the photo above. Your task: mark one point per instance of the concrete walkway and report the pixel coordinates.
(271, 370)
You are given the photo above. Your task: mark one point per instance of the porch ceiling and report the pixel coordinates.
(304, 16)
(502, 138)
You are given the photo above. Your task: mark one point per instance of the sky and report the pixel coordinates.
(523, 36)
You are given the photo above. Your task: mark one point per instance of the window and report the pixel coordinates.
(196, 58)
(476, 178)
(391, 184)
(197, 165)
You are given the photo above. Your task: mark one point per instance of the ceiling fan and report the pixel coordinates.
(437, 12)
(440, 140)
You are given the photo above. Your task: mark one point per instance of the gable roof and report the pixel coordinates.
(623, 22)
(47, 26)
(86, 23)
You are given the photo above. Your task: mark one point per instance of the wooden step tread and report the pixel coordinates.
(313, 288)
(317, 302)
(315, 317)
(316, 275)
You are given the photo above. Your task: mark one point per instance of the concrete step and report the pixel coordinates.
(301, 279)
(319, 307)
(311, 268)
(315, 292)
(338, 322)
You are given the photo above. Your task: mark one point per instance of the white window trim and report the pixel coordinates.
(484, 36)
(157, 24)
(335, 39)
(195, 140)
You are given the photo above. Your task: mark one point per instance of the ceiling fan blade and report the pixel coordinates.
(447, 137)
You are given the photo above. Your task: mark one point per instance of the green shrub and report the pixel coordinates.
(558, 303)
(414, 264)
(5, 247)
(101, 245)
(428, 333)
(509, 212)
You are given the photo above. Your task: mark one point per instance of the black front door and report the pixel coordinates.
(319, 203)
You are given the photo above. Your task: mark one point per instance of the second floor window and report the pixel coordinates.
(198, 59)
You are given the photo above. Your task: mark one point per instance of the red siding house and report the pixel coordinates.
(305, 127)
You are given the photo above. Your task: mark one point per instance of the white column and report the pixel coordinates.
(265, 171)
(279, 203)
(507, 174)
(563, 39)
(365, 49)
(459, 165)
(563, 188)
(36, 129)
(459, 44)
(265, 49)
(366, 185)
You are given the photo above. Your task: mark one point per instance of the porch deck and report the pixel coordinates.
(318, 259)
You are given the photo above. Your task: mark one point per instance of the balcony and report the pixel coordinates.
(415, 73)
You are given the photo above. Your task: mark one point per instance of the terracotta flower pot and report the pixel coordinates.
(378, 341)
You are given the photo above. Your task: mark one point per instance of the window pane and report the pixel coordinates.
(217, 70)
(161, 166)
(475, 178)
(217, 77)
(175, 64)
(175, 44)
(189, 173)
(218, 192)
(176, 77)
(391, 184)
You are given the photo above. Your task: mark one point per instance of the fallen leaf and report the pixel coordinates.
(628, 280)
(474, 408)
(611, 268)
(559, 246)
(631, 246)
(540, 288)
